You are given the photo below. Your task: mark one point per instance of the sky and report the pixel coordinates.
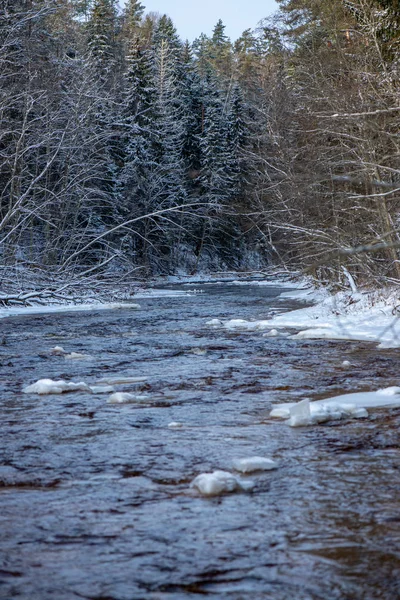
(193, 18)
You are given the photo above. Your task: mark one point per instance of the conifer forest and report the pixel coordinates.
(126, 150)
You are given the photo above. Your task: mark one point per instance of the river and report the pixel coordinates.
(95, 499)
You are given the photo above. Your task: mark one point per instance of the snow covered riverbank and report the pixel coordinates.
(371, 316)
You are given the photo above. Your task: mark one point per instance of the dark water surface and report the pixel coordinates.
(95, 499)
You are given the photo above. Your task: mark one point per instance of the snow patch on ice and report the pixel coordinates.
(389, 391)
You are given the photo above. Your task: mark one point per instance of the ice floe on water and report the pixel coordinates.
(276, 333)
(120, 380)
(304, 413)
(247, 325)
(165, 293)
(58, 351)
(77, 356)
(127, 398)
(220, 482)
(49, 386)
(102, 389)
(214, 323)
(102, 386)
(254, 463)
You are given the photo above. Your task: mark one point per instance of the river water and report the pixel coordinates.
(95, 499)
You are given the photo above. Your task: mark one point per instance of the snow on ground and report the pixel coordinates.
(298, 285)
(372, 316)
(347, 316)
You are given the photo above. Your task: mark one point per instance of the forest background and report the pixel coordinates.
(127, 152)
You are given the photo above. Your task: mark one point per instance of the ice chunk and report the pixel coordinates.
(77, 356)
(121, 380)
(272, 333)
(214, 323)
(126, 398)
(352, 405)
(218, 482)
(322, 412)
(260, 325)
(247, 325)
(102, 389)
(280, 413)
(300, 414)
(175, 425)
(58, 351)
(254, 463)
(237, 324)
(48, 386)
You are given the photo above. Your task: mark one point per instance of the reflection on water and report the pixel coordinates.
(95, 499)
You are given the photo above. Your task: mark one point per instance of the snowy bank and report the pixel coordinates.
(347, 316)
(14, 311)
(303, 413)
(371, 316)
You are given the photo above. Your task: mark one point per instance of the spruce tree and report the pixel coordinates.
(101, 30)
(132, 17)
(220, 50)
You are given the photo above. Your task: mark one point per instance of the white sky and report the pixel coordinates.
(193, 18)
